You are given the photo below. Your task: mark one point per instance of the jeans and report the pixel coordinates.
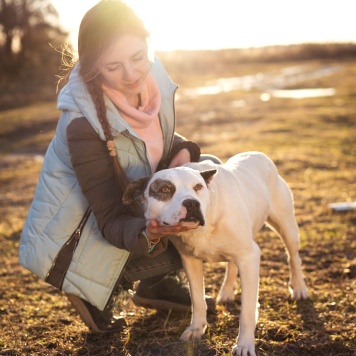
(143, 267)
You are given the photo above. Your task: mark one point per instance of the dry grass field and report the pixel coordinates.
(313, 143)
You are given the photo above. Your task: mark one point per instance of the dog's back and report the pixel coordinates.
(249, 178)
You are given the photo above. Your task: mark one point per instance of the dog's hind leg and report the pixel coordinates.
(229, 285)
(282, 220)
(249, 265)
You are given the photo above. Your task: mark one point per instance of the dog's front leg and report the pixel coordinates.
(249, 264)
(193, 268)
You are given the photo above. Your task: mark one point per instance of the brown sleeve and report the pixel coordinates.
(96, 176)
(180, 142)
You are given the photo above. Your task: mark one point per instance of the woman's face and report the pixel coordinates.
(124, 65)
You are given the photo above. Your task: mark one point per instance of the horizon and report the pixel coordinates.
(211, 26)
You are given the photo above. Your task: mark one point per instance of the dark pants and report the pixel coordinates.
(143, 267)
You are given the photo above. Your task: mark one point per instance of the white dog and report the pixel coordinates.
(229, 207)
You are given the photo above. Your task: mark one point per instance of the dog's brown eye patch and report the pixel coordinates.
(198, 187)
(162, 190)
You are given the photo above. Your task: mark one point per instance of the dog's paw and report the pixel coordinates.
(298, 291)
(192, 333)
(225, 297)
(227, 293)
(244, 350)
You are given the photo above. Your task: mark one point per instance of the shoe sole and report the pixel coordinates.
(81, 309)
(158, 304)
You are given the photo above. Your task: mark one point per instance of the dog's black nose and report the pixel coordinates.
(194, 212)
(191, 204)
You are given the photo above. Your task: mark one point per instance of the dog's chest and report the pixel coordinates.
(200, 246)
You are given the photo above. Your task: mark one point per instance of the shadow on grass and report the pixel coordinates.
(158, 334)
(313, 338)
(309, 315)
(14, 236)
(153, 335)
(10, 138)
(17, 132)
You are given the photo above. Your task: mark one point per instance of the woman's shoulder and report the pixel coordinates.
(161, 76)
(80, 128)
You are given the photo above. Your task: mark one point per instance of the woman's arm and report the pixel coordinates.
(180, 143)
(96, 176)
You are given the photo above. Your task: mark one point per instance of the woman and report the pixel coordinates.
(117, 124)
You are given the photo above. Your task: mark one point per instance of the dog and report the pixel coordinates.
(225, 205)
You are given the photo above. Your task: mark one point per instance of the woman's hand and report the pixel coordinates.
(182, 157)
(154, 231)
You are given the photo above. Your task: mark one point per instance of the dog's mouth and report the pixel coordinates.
(193, 220)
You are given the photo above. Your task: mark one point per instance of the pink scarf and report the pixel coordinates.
(143, 120)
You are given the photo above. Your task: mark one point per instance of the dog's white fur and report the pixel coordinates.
(235, 203)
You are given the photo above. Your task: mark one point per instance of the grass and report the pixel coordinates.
(313, 144)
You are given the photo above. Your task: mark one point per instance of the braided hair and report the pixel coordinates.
(97, 96)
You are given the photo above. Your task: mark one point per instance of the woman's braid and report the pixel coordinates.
(97, 96)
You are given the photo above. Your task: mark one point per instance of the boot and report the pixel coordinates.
(96, 320)
(167, 292)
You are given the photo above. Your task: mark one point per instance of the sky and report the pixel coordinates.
(216, 24)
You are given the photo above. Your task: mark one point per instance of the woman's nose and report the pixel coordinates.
(130, 73)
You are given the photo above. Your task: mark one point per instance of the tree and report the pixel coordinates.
(19, 19)
(29, 33)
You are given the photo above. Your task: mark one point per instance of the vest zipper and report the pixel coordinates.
(174, 122)
(129, 135)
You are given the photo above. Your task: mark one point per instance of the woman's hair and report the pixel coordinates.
(100, 26)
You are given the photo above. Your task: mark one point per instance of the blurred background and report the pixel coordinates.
(32, 33)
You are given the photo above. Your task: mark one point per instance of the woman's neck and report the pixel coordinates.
(134, 100)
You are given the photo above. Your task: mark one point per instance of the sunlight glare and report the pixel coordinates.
(201, 24)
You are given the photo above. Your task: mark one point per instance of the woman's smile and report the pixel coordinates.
(133, 85)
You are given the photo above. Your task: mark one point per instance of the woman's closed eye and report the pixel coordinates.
(113, 67)
(138, 58)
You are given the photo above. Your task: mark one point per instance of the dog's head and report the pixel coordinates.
(172, 196)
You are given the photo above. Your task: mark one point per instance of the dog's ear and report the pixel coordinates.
(134, 191)
(208, 175)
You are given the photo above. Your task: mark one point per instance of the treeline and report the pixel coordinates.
(30, 43)
(216, 60)
(299, 52)
(31, 39)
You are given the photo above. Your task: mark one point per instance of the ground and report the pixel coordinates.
(311, 140)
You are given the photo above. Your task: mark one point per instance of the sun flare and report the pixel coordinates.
(202, 24)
